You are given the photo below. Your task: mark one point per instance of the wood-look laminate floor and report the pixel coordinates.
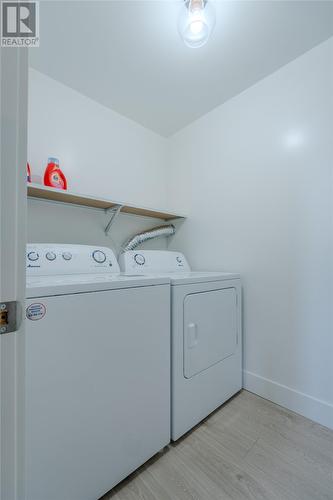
(249, 449)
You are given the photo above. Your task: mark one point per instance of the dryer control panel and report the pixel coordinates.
(47, 259)
(153, 261)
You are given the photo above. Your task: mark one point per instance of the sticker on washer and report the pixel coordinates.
(36, 311)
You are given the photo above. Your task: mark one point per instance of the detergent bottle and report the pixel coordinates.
(28, 173)
(53, 176)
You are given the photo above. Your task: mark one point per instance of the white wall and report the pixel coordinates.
(255, 175)
(101, 153)
(65, 224)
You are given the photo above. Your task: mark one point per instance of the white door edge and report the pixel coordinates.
(13, 157)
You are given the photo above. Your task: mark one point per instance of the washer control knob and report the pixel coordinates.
(51, 256)
(67, 256)
(99, 256)
(139, 259)
(33, 256)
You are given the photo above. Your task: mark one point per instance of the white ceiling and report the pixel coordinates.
(128, 55)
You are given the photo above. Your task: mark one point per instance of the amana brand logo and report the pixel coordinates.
(19, 24)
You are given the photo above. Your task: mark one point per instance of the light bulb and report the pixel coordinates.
(196, 22)
(196, 27)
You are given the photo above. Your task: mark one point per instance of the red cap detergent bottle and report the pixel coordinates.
(28, 172)
(53, 176)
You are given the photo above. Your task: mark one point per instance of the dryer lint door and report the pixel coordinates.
(210, 329)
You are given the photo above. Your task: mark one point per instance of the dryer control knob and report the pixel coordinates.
(33, 256)
(139, 259)
(51, 256)
(67, 256)
(99, 256)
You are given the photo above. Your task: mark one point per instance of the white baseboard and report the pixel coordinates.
(308, 406)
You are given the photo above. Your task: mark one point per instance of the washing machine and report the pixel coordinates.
(206, 335)
(97, 371)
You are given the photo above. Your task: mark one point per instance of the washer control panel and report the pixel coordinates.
(99, 256)
(153, 261)
(45, 259)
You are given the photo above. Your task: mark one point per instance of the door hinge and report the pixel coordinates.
(9, 317)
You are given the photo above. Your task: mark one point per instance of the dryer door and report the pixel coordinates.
(210, 329)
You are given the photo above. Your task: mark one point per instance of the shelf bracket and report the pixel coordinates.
(114, 211)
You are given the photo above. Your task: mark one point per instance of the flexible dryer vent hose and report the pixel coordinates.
(156, 232)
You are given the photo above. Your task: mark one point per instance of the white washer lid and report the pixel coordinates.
(47, 286)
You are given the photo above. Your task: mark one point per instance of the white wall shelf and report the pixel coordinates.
(37, 191)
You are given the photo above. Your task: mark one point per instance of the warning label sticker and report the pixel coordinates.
(35, 311)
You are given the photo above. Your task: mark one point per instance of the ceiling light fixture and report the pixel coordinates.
(196, 22)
